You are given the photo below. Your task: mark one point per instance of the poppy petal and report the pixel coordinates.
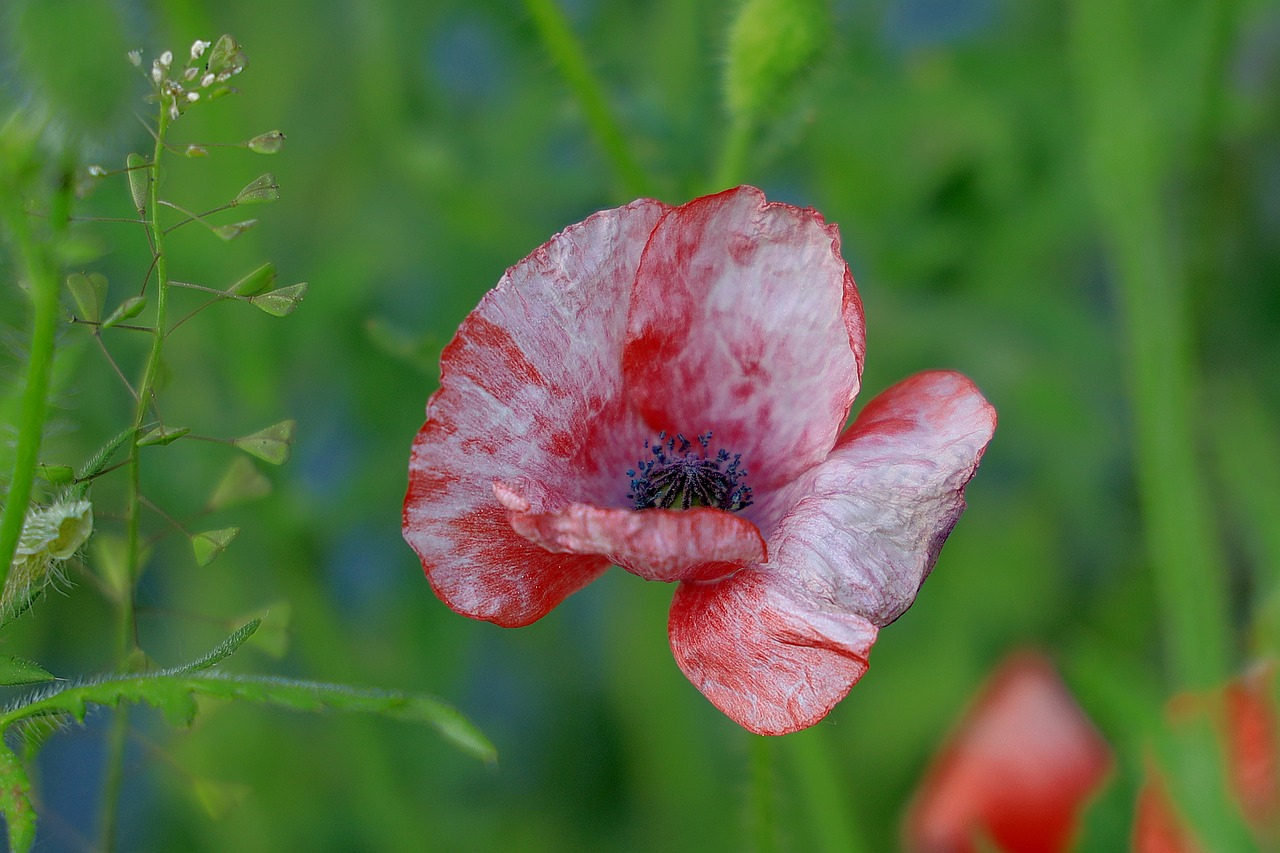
(865, 527)
(745, 321)
(770, 663)
(528, 382)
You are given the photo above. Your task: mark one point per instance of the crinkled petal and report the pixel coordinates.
(769, 662)
(861, 532)
(656, 544)
(1018, 772)
(528, 385)
(745, 321)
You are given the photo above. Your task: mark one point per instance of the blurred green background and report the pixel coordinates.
(433, 144)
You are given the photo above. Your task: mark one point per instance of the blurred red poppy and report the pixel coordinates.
(1017, 772)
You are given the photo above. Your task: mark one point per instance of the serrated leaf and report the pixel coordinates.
(15, 801)
(89, 292)
(282, 301)
(211, 543)
(174, 692)
(256, 281)
(234, 230)
(262, 190)
(16, 670)
(271, 444)
(271, 142)
(138, 172)
(241, 482)
(224, 650)
(126, 310)
(162, 436)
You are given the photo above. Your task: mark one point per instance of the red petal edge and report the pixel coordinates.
(772, 666)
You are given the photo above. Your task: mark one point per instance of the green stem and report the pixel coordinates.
(826, 809)
(733, 156)
(559, 40)
(763, 821)
(1129, 160)
(126, 636)
(42, 277)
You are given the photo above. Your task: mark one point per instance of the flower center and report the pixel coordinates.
(679, 476)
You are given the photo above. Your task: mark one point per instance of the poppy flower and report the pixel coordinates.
(664, 389)
(1018, 771)
(1249, 729)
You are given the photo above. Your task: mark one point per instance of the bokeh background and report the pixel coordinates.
(433, 144)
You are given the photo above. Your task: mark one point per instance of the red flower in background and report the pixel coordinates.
(1017, 772)
(665, 389)
(1249, 728)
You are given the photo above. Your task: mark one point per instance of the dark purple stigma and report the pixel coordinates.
(677, 476)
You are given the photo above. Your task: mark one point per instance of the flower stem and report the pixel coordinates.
(733, 156)
(126, 636)
(1129, 160)
(42, 277)
(826, 810)
(557, 37)
(763, 822)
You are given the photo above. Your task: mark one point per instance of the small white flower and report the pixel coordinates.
(193, 96)
(166, 58)
(135, 56)
(157, 73)
(207, 80)
(198, 48)
(190, 73)
(173, 112)
(97, 171)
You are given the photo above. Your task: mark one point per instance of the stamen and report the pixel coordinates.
(681, 477)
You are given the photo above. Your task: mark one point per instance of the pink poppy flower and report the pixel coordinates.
(1017, 773)
(664, 389)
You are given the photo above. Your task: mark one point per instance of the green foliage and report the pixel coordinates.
(770, 43)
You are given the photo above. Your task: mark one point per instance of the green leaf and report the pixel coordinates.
(16, 670)
(256, 281)
(225, 649)
(271, 142)
(218, 799)
(272, 636)
(138, 171)
(282, 301)
(241, 482)
(126, 310)
(174, 691)
(58, 475)
(89, 292)
(234, 230)
(210, 544)
(15, 801)
(271, 444)
(162, 436)
(261, 191)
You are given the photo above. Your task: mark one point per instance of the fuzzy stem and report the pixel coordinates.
(733, 154)
(558, 39)
(821, 789)
(42, 277)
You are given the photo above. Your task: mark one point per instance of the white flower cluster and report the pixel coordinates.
(180, 88)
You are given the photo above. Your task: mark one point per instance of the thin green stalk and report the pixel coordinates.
(1129, 162)
(826, 810)
(126, 637)
(733, 154)
(560, 42)
(42, 278)
(762, 811)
